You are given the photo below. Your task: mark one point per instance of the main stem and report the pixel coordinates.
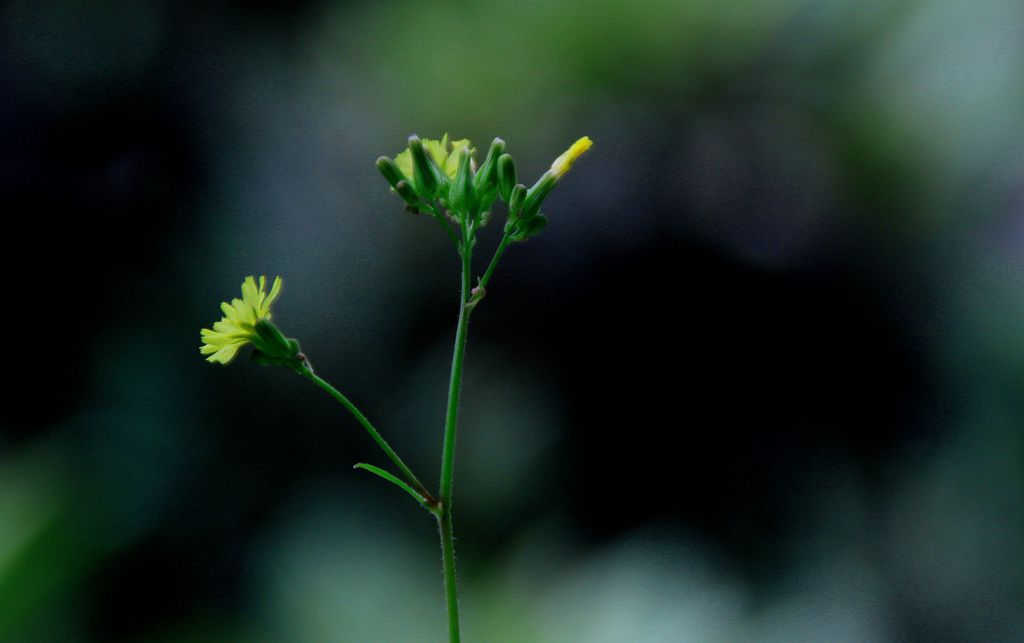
(444, 519)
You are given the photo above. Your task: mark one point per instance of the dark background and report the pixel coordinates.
(759, 380)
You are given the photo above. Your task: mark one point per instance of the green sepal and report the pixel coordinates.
(259, 357)
(461, 193)
(536, 195)
(272, 343)
(529, 228)
(506, 176)
(486, 176)
(425, 172)
(485, 202)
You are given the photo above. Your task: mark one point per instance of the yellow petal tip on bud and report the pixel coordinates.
(565, 161)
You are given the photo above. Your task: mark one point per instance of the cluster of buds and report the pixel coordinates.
(431, 171)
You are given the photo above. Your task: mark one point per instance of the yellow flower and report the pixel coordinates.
(446, 158)
(238, 326)
(565, 161)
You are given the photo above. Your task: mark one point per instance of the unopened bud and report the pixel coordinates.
(404, 190)
(392, 174)
(460, 194)
(529, 228)
(425, 172)
(536, 195)
(488, 171)
(515, 200)
(506, 176)
(565, 161)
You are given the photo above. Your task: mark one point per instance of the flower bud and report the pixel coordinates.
(529, 228)
(515, 200)
(506, 176)
(392, 174)
(565, 161)
(488, 171)
(536, 195)
(425, 172)
(460, 194)
(412, 200)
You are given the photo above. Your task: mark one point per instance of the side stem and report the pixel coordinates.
(377, 437)
(494, 261)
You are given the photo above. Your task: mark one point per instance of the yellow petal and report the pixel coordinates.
(565, 161)
(224, 355)
(244, 312)
(404, 162)
(250, 294)
(275, 290)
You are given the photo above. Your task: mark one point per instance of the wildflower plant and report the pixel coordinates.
(440, 178)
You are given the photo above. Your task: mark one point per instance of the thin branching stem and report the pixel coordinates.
(374, 433)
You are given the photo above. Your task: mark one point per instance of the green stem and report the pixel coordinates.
(448, 454)
(377, 437)
(451, 592)
(494, 261)
(437, 214)
(401, 484)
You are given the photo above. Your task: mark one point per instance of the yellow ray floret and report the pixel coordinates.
(238, 326)
(565, 161)
(444, 154)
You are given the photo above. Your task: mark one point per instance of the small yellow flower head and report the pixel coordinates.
(444, 154)
(238, 326)
(565, 161)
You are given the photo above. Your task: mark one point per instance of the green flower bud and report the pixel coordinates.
(536, 195)
(506, 176)
(529, 228)
(392, 174)
(515, 200)
(488, 171)
(425, 172)
(412, 200)
(461, 194)
(485, 199)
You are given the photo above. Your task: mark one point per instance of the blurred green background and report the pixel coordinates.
(759, 380)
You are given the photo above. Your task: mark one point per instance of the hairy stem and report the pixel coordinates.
(448, 454)
(494, 261)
